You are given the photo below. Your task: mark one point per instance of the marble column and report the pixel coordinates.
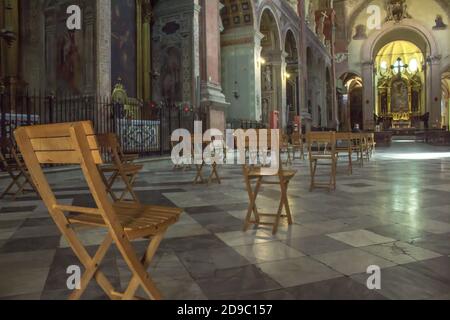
(103, 36)
(368, 95)
(434, 91)
(212, 97)
(303, 72)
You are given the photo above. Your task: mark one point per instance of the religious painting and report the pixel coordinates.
(171, 76)
(69, 61)
(399, 96)
(123, 44)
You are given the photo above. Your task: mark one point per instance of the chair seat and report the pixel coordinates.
(137, 220)
(322, 156)
(130, 157)
(127, 168)
(267, 172)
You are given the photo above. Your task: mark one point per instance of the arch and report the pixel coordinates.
(409, 29)
(269, 12)
(290, 32)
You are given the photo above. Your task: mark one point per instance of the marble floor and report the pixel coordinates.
(393, 213)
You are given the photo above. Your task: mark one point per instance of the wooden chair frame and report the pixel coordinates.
(255, 177)
(298, 145)
(286, 147)
(346, 138)
(358, 147)
(16, 169)
(214, 175)
(119, 168)
(322, 147)
(76, 143)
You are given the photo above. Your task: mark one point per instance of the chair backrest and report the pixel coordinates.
(344, 140)
(321, 142)
(284, 140)
(68, 143)
(297, 138)
(109, 143)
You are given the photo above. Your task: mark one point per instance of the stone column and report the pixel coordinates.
(303, 70)
(103, 70)
(368, 95)
(278, 62)
(434, 91)
(212, 97)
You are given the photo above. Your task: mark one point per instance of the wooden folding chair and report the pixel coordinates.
(285, 147)
(214, 175)
(322, 147)
(118, 168)
(344, 146)
(371, 144)
(255, 177)
(183, 161)
(297, 146)
(75, 143)
(11, 163)
(358, 147)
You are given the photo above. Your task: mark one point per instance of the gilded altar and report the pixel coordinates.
(399, 100)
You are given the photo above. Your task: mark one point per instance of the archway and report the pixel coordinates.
(445, 107)
(400, 85)
(272, 70)
(351, 102)
(292, 79)
(423, 39)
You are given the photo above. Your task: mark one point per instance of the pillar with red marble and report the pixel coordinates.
(211, 97)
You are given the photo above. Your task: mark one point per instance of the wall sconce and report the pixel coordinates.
(155, 75)
(262, 61)
(287, 75)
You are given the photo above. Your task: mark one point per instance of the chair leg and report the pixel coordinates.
(146, 260)
(350, 163)
(109, 185)
(10, 186)
(252, 208)
(92, 266)
(139, 270)
(199, 177)
(215, 174)
(129, 182)
(313, 168)
(83, 256)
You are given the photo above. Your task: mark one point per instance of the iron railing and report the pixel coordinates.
(142, 128)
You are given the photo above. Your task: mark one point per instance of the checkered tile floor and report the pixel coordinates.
(393, 213)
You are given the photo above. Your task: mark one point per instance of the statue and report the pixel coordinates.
(311, 17)
(268, 78)
(360, 32)
(321, 27)
(397, 10)
(440, 25)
